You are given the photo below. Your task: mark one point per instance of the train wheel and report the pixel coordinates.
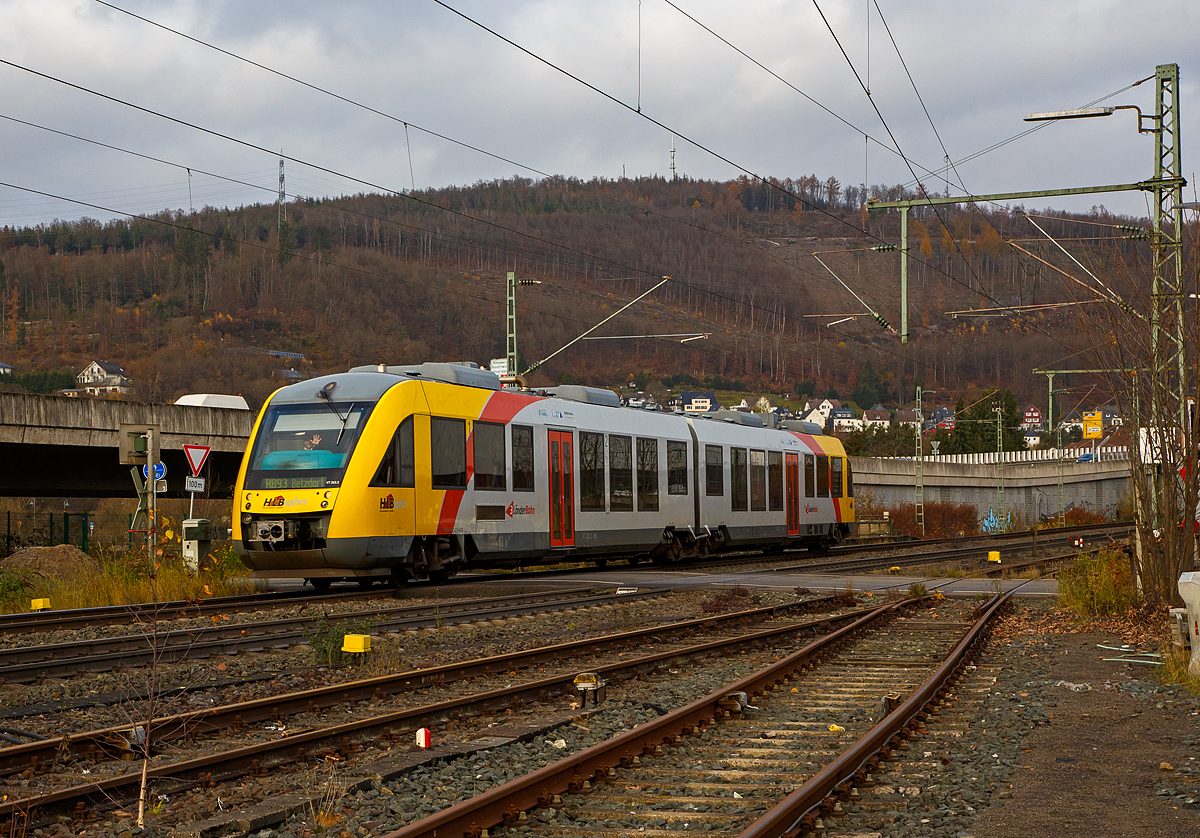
(601, 563)
(633, 560)
(321, 585)
(365, 581)
(439, 576)
(400, 576)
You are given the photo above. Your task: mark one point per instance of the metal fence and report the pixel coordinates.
(44, 529)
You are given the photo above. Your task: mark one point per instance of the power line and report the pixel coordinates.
(482, 151)
(335, 173)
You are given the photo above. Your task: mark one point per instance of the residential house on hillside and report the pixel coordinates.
(1072, 421)
(806, 415)
(844, 420)
(645, 401)
(906, 417)
(104, 378)
(876, 417)
(5, 369)
(1031, 419)
(698, 401)
(1110, 417)
(822, 406)
(942, 419)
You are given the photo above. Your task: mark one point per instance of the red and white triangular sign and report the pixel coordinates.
(196, 455)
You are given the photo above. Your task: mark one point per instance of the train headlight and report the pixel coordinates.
(326, 497)
(324, 504)
(247, 496)
(246, 519)
(247, 506)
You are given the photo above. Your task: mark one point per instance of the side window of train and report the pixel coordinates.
(758, 481)
(835, 479)
(522, 457)
(620, 473)
(399, 461)
(810, 476)
(849, 479)
(591, 471)
(647, 475)
(677, 468)
(737, 479)
(775, 478)
(822, 476)
(714, 472)
(489, 456)
(448, 452)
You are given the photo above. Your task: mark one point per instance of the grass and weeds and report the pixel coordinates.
(325, 637)
(846, 598)
(730, 599)
(1174, 668)
(124, 577)
(1099, 585)
(942, 520)
(917, 590)
(1079, 517)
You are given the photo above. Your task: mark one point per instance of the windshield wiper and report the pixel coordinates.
(324, 394)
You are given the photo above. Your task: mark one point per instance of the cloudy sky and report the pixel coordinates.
(978, 67)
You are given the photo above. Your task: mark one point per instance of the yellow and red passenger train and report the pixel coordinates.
(419, 472)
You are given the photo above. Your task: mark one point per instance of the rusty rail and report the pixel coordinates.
(799, 811)
(505, 803)
(260, 757)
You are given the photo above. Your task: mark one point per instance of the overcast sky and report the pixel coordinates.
(979, 68)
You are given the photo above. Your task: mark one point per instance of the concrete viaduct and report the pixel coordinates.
(66, 447)
(52, 446)
(1031, 482)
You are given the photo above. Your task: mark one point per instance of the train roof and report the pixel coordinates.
(369, 382)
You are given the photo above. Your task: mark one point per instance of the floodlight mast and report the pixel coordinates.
(1079, 113)
(1166, 184)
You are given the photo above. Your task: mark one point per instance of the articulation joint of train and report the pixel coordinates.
(398, 473)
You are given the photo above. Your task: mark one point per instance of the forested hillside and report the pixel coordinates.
(411, 278)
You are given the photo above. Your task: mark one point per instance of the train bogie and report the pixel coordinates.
(420, 472)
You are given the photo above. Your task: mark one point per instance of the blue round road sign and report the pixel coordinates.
(160, 471)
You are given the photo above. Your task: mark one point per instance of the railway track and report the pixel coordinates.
(724, 742)
(903, 554)
(22, 664)
(114, 615)
(758, 757)
(41, 764)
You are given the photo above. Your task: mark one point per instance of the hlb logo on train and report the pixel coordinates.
(809, 510)
(513, 509)
(389, 503)
(280, 500)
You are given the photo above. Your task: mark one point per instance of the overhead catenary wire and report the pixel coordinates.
(1108, 292)
(445, 137)
(475, 148)
(704, 148)
(336, 173)
(556, 244)
(181, 166)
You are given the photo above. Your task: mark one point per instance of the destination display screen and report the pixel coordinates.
(293, 482)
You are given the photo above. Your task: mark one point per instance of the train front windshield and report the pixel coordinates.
(305, 446)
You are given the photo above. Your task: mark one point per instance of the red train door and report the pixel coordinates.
(793, 494)
(562, 490)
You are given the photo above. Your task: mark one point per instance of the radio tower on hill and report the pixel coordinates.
(282, 197)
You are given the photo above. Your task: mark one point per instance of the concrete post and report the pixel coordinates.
(1189, 590)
